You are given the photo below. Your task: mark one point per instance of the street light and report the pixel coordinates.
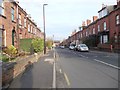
(44, 27)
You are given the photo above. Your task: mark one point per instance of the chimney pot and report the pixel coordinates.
(83, 23)
(95, 18)
(88, 21)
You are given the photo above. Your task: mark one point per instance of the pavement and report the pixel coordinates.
(38, 75)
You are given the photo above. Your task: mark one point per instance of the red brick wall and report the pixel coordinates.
(8, 24)
(21, 32)
(114, 29)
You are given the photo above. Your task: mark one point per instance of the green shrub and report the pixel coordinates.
(4, 58)
(38, 44)
(25, 44)
(11, 51)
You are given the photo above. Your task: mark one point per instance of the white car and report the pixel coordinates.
(62, 47)
(82, 47)
(71, 47)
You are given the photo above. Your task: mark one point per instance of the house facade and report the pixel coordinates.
(16, 24)
(103, 32)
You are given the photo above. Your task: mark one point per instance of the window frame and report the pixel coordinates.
(105, 38)
(117, 19)
(25, 22)
(28, 27)
(31, 29)
(19, 18)
(93, 30)
(105, 26)
(98, 28)
(12, 14)
(2, 12)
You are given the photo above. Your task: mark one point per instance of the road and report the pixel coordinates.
(80, 69)
(73, 70)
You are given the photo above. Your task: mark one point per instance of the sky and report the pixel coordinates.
(63, 16)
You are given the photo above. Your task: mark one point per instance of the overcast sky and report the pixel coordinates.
(63, 16)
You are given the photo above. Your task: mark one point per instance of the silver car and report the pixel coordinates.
(82, 47)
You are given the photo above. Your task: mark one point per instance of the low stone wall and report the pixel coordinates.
(12, 69)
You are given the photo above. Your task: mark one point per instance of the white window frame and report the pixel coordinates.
(116, 38)
(93, 30)
(28, 27)
(19, 17)
(2, 8)
(5, 37)
(105, 38)
(101, 39)
(118, 19)
(25, 22)
(98, 28)
(105, 25)
(86, 33)
(12, 14)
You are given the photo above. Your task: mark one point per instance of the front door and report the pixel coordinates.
(13, 37)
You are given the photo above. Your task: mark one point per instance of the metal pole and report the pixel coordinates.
(44, 28)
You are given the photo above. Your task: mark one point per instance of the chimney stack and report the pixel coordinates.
(88, 22)
(95, 18)
(118, 3)
(103, 5)
(83, 23)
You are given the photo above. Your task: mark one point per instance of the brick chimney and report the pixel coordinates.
(88, 21)
(83, 23)
(95, 18)
(118, 3)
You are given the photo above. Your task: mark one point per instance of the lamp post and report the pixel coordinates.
(44, 27)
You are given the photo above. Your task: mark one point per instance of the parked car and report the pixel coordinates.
(75, 48)
(62, 47)
(82, 47)
(71, 47)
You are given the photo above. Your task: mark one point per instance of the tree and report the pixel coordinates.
(38, 44)
(49, 43)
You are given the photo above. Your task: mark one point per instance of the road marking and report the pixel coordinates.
(54, 76)
(99, 61)
(68, 82)
(54, 73)
(107, 64)
(51, 61)
(60, 70)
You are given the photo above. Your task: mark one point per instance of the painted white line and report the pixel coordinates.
(107, 64)
(67, 80)
(60, 70)
(54, 73)
(54, 76)
(100, 61)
